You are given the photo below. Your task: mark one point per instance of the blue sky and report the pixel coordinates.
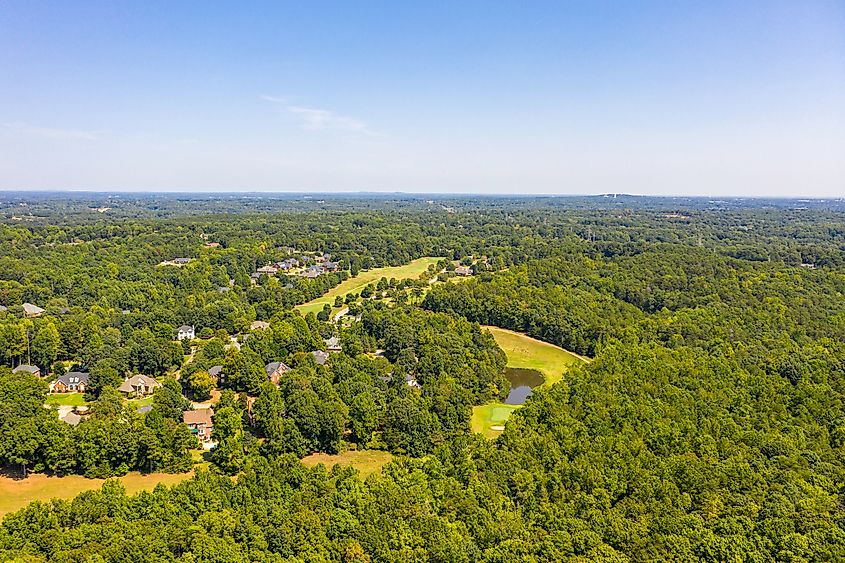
(678, 98)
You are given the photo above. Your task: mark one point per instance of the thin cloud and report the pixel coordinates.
(313, 119)
(53, 133)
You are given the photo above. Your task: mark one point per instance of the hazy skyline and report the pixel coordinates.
(660, 98)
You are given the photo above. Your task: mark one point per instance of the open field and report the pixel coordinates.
(526, 352)
(16, 494)
(522, 352)
(411, 270)
(366, 462)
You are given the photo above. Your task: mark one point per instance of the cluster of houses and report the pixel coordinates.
(304, 266)
(78, 382)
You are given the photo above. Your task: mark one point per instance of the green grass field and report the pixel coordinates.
(65, 399)
(411, 270)
(526, 352)
(16, 494)
(366, 462)
(522, 352)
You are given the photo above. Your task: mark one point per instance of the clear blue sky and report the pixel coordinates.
(688, 98)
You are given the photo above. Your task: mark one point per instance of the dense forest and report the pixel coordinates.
(709, 425)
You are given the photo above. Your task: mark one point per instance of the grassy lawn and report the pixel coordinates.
(526, 352)
(366, 462)
(142, 402)
(522, 352)
(490, 419)
(65, 399)
(411, 270)
(16, 494)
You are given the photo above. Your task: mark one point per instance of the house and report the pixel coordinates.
(269, 270)
(312, 272)
(331, 266)
(333, 344)
(71, 418)
(412, 382)
(181, 261)
(200, 422)
(259, 325)
(320, 357)
(288, 264)
(71, 382)
(463, 271)
(138, 386)
(275, 371)
(30, 310)
(185, 332)
(144, 409)
(34, 370)
(215, 372)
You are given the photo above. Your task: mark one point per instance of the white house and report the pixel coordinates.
(185, 332)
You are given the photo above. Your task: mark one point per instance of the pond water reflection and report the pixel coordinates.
(522, 381)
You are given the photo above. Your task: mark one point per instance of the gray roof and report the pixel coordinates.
(273, 366)
(185, 328)
(214, 371)
(73, 378)
(320, 356)
(71, 418)
(145, 409)
(28, 368)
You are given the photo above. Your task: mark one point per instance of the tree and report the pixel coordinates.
(168, 400)
(363, 417)
(228, 432)
(200, 384)
(45, 344)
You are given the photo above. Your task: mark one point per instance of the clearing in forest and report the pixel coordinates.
(528, 353)
(411, 270)
(15, 494)
(366, 462)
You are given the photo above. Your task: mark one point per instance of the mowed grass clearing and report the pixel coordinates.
(366, 462)
(411, 270)
(65, 399)
(526, 352)
(15, 494)
(522, 352)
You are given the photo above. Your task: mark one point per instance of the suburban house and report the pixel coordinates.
(215, 372)
(333, 344)
(320, 357)
(181, 261)
(200, 423)
(34, 370)
(463, 271)
(138, 386)
(288, 264)
(275, 371)
(71, 418)
(312, 272)
(185, 332)
(412, 382)
(259, 325)
(269, 270)
(71, 382)
(31, 310)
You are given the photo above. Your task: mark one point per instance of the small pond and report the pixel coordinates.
(522, 381)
